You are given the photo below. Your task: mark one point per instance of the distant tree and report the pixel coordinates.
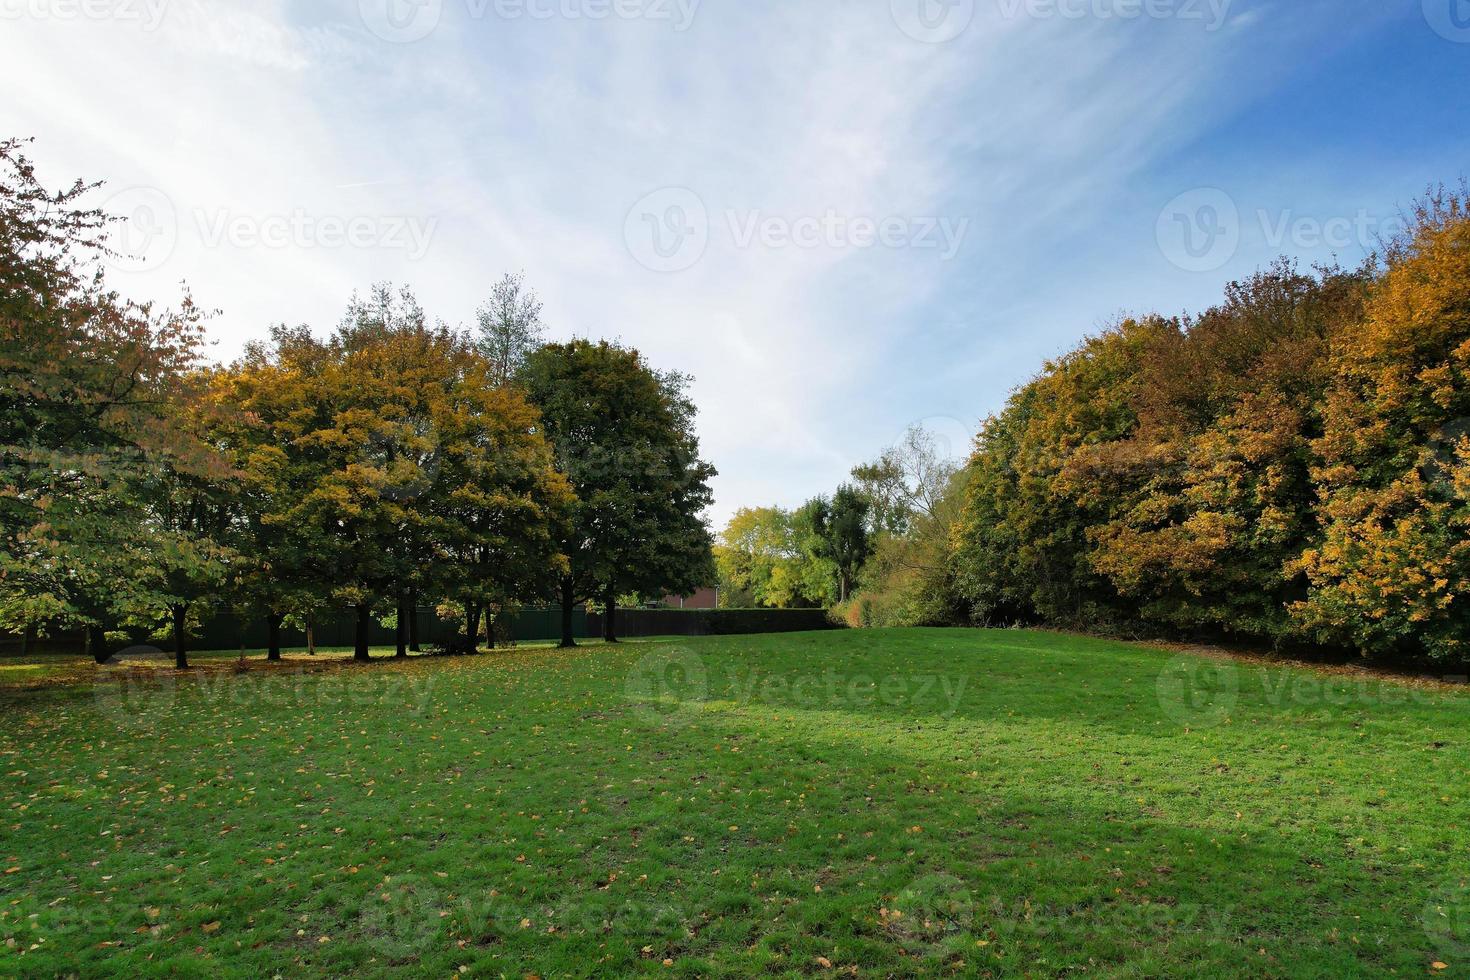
(907, 481)
(509, 327)
(623, 435)
(767, 554)
(841, 534)
(921, 491)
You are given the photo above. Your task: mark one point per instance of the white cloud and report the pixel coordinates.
(527, 140)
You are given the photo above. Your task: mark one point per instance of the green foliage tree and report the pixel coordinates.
(623, 435)
(509, 327)
(841, 534)
(766, 554)
(917, 491)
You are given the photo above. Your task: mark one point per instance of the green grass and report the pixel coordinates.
(888, 802)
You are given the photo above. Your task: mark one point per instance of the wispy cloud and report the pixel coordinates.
(521, 141)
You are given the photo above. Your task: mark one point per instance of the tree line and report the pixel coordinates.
(1291, 466)
(397, 462)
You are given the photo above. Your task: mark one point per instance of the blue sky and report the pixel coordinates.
(842, 217)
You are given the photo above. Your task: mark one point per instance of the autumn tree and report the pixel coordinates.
(1217, 474)
(500, 503)
(90, 381)
(1392, 572)
(278, 568)
(1023, 550)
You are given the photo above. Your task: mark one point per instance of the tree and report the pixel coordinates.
(906, 481)
(91, 382)
(842, 536)
(920, 491)
(1392, 571)
(1217, 474)
(1022, 550)
(501, 504)
(767, 554)
(277, 568)
(509, 327)
(623, 435)
(187, 518)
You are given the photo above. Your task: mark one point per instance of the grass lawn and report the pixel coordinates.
(861, 803)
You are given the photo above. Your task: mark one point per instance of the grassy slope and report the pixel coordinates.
(1007, 802)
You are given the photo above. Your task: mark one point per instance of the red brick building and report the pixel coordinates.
(707, 598)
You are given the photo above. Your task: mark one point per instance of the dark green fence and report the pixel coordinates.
(712, 622)
(228, 631)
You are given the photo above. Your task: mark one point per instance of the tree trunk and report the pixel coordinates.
(568, 599)
(273, 628)
(181, 653)
(364, 626)
(402, 630)
(472, 626)
(27, 638)
(97, 644)
(490, 618)
(413, 621)
(609, 616)
(842, 586)
(310, 639)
